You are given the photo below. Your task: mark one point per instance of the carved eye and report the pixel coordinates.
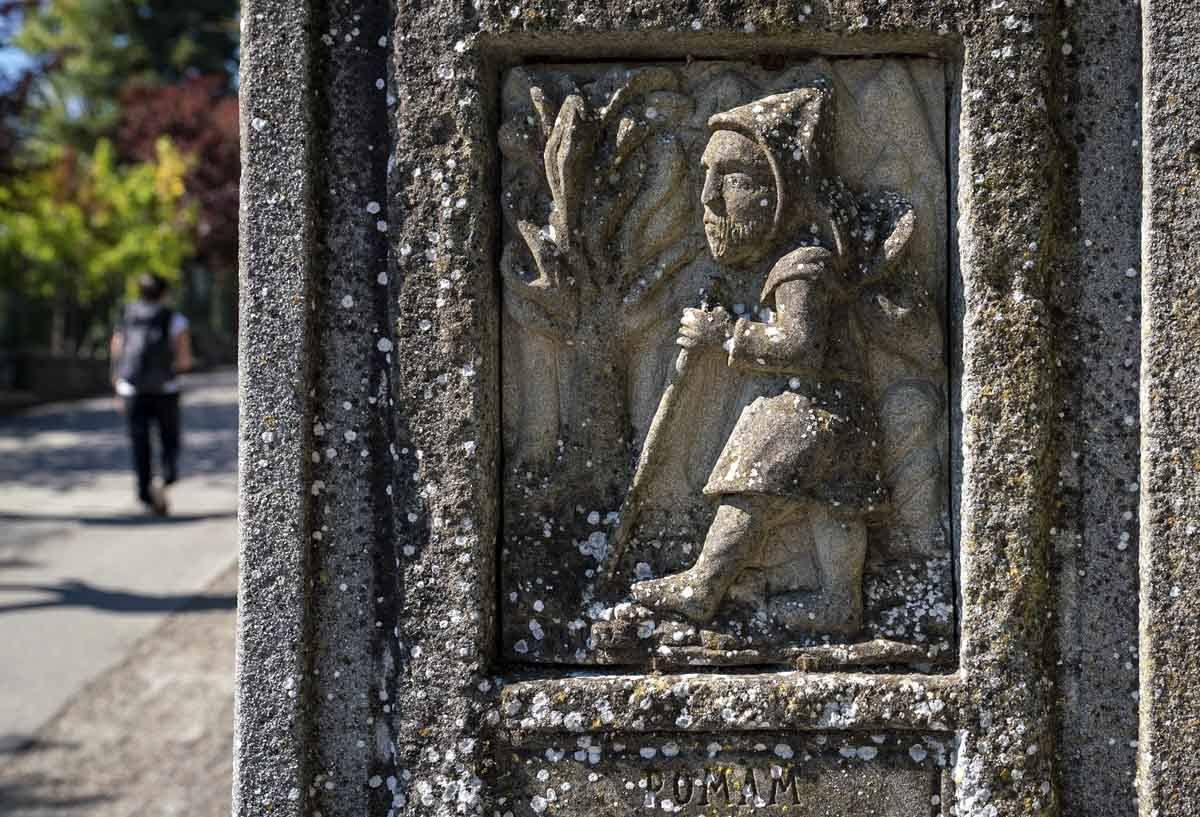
(742, 182)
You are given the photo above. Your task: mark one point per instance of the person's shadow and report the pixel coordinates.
(81, 594)
(117, 520)
(101, 443)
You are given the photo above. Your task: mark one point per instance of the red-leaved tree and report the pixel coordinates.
(201, 119)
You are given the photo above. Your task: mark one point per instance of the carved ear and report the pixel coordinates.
(630, 135)
(884, 259)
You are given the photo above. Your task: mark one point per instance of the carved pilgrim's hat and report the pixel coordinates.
(794, 132)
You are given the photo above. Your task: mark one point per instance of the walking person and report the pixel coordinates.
(149, 349)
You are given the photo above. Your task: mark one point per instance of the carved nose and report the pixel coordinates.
(710, 196)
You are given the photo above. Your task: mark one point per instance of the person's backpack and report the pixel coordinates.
(146, 359)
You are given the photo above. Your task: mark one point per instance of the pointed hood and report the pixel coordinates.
(794, 131)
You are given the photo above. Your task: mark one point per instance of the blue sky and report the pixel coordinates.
(12, 60)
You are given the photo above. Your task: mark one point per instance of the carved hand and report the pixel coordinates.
(704, 327)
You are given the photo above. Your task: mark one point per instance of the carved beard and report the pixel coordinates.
(728, 237)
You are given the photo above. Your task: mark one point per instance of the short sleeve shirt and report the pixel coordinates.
(179, 325)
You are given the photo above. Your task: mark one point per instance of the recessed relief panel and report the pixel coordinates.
(724, 374)
(767, 774)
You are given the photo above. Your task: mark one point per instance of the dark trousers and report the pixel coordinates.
(161, 410)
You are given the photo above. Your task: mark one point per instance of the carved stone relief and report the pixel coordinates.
(724, 376)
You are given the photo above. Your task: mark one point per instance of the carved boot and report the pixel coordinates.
(836, 609)
(686, 594)
(697, 592)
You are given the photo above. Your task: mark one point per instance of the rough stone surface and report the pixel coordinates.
(275, 632)
(1168, 760)
(1095, 527)
(388, 394)
(821, 421)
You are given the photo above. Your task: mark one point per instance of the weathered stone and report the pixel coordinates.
(811, 448)
(508, 504)
(768, 773)
(1168, 740)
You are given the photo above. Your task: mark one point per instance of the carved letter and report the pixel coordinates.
(683, 779)
(783, 782)
(654, 781)
(715, 781)
(749, 789)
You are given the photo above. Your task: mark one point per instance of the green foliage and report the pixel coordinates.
(85, 227)
(99, 46)
(91, 192)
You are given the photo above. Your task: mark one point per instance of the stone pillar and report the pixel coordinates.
(1168, 762)
(712, 408)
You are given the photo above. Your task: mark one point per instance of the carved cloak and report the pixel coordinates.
(811, 433)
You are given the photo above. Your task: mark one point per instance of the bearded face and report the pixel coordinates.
(738, 197)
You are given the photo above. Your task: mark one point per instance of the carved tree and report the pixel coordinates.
(598, 213)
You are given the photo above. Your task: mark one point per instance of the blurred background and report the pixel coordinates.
(118, 158)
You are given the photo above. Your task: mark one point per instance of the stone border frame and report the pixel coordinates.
(1169, 512)
(367, 620)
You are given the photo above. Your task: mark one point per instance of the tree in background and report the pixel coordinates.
(12, 102)
(78, 232)
(107, 81)
(17, 76)
(101, 46)
(199, 116)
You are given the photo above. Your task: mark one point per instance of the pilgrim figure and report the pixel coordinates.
(804, 453)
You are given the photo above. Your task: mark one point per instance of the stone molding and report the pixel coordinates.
(368, 640)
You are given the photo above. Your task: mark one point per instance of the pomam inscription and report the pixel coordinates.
(802, 776)
(725, 786)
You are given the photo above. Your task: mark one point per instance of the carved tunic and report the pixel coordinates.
(811, 432)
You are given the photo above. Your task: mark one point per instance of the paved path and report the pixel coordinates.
(151, 737)
(84, 574)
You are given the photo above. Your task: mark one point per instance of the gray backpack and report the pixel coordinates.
(146, 360)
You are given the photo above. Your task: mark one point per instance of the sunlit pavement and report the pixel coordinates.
(84, 573)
